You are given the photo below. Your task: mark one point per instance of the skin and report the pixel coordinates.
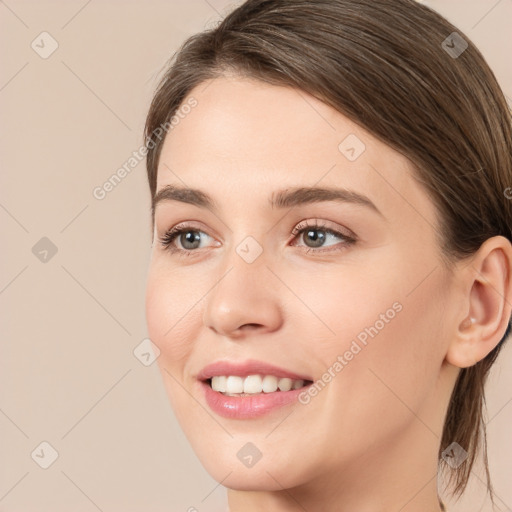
(369, 440)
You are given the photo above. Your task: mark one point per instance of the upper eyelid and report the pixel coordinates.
(323, 225)
(299, 228)
(302, 224)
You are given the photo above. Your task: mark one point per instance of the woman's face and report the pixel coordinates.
(353, 305)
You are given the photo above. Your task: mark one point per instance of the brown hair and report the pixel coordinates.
(395, 68)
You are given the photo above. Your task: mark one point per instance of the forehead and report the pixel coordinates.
(245, 139)
(237, 117)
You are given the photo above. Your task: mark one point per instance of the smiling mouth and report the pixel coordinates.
(251, 385)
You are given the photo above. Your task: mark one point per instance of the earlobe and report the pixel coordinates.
(489, 304)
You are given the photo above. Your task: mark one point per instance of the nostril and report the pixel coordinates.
(251, 326)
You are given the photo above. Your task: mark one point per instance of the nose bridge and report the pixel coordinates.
(243, 293)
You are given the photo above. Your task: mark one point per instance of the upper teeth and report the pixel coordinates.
(253, 384)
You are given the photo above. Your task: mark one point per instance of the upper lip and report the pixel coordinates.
(245, 368)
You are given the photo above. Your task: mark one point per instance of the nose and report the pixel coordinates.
(245, 298)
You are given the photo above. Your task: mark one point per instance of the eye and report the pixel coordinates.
(316, 234)
(188, 236)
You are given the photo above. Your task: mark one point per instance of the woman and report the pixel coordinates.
(330, 279)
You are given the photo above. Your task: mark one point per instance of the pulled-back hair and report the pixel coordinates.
(396, 69)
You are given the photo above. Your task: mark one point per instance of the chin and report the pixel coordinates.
(262, 476)
(246, 480)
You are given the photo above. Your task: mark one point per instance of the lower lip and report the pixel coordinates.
(242, 407)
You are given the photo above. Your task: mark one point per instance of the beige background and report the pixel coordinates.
(69, 325)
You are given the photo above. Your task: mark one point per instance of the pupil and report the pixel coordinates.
(191, 237)
(317, 240)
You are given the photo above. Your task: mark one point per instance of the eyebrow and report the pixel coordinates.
(286, 198)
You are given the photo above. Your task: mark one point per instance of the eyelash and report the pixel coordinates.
(168, 238)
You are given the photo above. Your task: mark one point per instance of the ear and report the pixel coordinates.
(488, 303)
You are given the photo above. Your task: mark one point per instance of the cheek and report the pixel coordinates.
(169, 315)
(402, 349)
(346, 305)
(387, 336)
